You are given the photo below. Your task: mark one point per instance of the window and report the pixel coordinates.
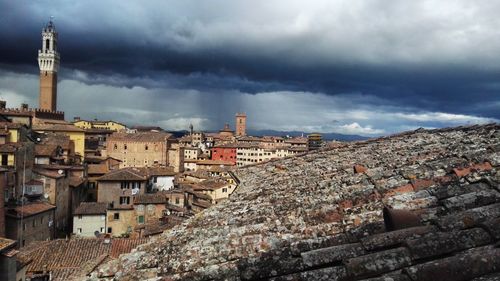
(102, 229)
(110, 230)
(79, 230)
(146, 147)
(4, 159)
(140, 219)
(34, 223)
(151, 208)
(116, 216)
(24, 226)
(116, 146)
(140, 208)
(41, 220)
(177, 201)
(79, 217)
(124, 200)
(155, 179)
(224, 190)
(125, 146)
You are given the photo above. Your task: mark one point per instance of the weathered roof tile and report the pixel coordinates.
(439, 243)
(378, 263)
(333, 254)
(463, 266)
(387, 239)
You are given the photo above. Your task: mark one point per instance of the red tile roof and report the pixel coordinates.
(150, 198)
(140, 137)
(6, 244)
(30, 209)
(125, 174)
(70, 258)
(91, 208)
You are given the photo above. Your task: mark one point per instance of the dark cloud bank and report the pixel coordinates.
(367, 68)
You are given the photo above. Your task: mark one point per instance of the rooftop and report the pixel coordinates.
(91, 208)
(30, 209)
(66, 259)
(150, 198)
(319, 216)
(56, 127)
(140, 137)
(6, 244)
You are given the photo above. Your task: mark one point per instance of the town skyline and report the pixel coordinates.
(186, 66)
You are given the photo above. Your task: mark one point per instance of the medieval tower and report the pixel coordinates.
(48, 62)
(241, 124)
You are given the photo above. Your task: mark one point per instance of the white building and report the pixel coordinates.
(161, 179)
(89, 218)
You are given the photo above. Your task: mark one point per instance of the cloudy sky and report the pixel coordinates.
(356, 67)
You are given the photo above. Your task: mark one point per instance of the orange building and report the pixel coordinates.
(224, 152)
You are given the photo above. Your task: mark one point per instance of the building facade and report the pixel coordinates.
(89, 218)
(225, 153)
(30, 222)
(142, 149)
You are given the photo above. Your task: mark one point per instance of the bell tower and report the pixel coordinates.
(48, 62)
(241, 124)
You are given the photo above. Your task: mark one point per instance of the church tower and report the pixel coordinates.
(241, 124)
(48, 62)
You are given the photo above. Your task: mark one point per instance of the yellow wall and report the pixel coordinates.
(83, 124)
(10, 160)
(108, 125)
(79, 139)
(13, 135)
(125, 224)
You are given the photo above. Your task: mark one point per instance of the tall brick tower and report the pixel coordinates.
(48, 62)
(241, 124)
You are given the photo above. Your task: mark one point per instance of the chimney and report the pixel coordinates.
(24, 106)
(3, 104)
(76, 118)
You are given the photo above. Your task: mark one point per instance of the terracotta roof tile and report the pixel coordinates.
(5, 244)
(140, 137)
(68, 258)
(128, 174)
(30, 209)
(56, 127)
(315, 219)
(150, 198)
(91, 208)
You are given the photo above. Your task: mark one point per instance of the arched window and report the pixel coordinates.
(47, 44)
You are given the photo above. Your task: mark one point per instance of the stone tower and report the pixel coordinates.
(48, 62)
(241, 124)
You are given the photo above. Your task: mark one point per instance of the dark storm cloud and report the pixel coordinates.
(416, 56)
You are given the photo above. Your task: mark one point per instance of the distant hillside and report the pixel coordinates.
(326, 136)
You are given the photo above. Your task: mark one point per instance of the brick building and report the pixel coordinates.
(141, 149)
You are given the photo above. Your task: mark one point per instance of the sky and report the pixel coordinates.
(370, 68)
